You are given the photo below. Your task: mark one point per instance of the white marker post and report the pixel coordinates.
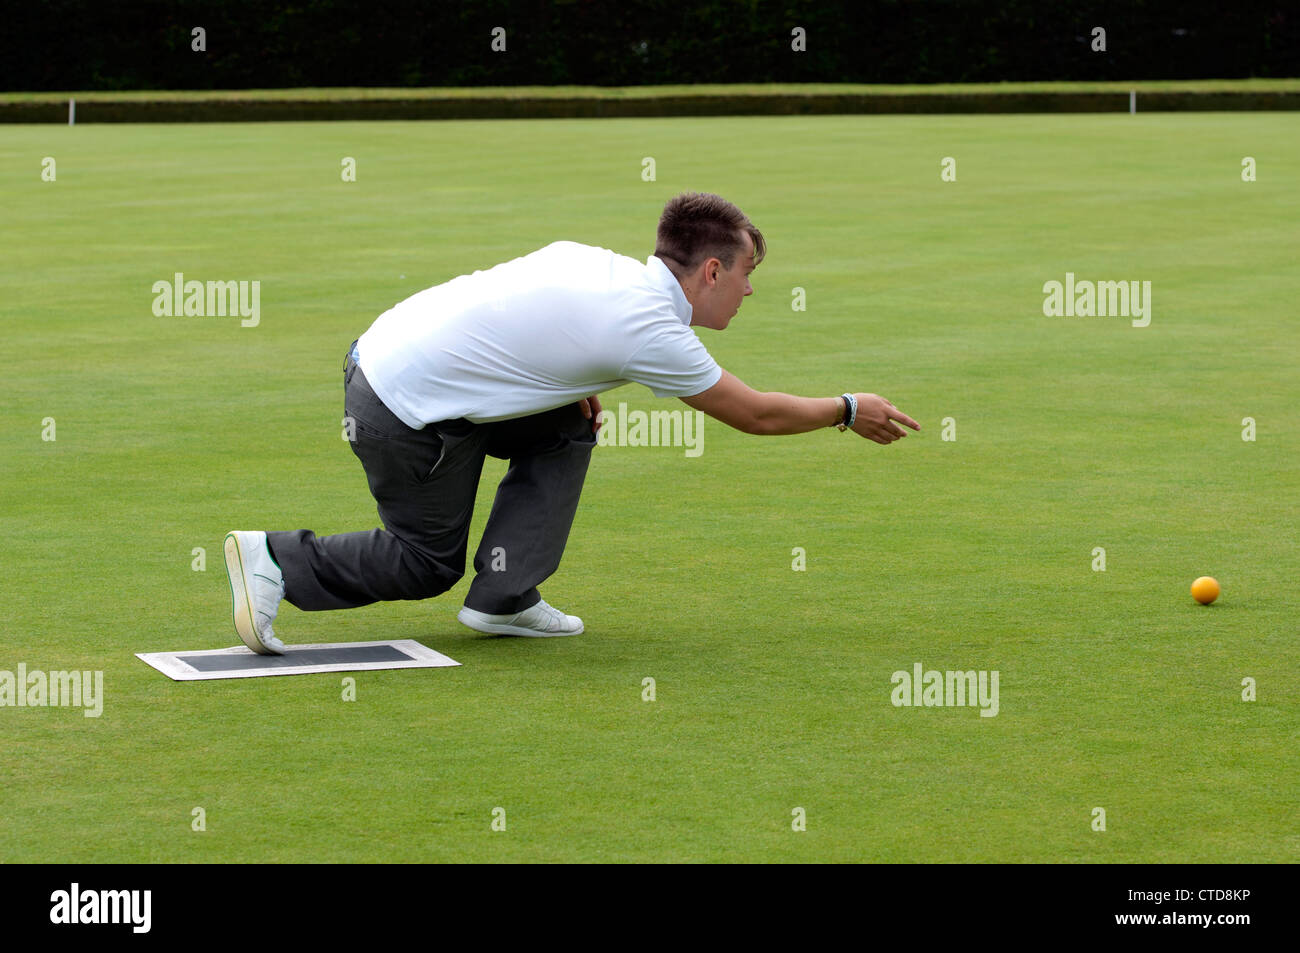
(1132, 102)
(72, 112)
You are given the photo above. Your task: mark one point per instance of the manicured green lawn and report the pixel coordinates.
(773, 686)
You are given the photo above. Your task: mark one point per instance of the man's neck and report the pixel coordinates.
(679, 273)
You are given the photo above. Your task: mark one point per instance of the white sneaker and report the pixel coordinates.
(540, 621)
(256, 588)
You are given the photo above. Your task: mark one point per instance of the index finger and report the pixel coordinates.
(902, 418)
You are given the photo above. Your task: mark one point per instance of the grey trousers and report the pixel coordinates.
(425, 482)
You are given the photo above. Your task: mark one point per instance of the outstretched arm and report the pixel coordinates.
(769, 413)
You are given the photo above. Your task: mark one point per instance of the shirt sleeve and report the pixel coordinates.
(673, 363)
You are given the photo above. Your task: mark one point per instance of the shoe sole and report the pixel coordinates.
(494, 628)
(241, 606)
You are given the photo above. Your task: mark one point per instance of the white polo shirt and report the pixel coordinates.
(535, 333)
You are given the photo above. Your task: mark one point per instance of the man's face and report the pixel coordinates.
(722, 290)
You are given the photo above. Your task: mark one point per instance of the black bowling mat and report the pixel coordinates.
(242, 662)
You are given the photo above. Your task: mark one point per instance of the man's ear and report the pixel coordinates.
(712, 268)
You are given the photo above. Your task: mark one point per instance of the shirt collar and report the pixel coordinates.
(667, 281)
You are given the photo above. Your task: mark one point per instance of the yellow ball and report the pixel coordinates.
(1205, 590)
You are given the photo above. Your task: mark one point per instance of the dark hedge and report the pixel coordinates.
(101, 45)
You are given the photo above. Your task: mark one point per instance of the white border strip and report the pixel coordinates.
(171, 665)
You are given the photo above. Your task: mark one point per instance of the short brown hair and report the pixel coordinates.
(699, 225)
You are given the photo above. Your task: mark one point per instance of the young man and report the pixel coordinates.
(506, 362)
